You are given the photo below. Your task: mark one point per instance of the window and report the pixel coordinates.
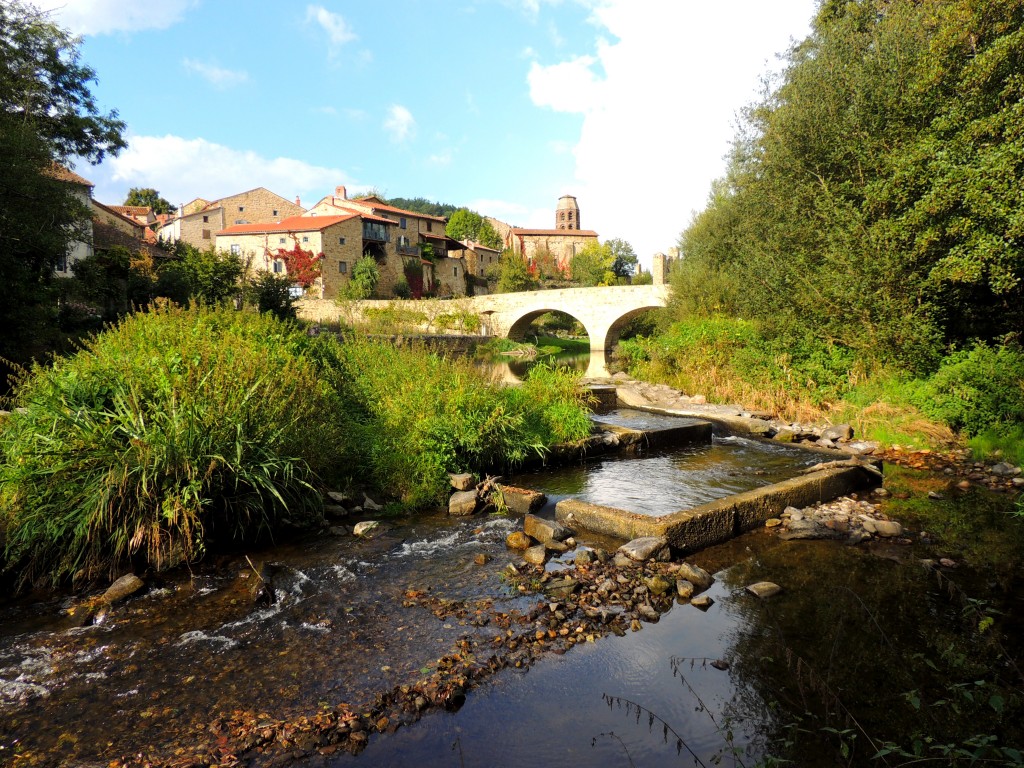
(341, 241)
(280, 240)
(236, 249)
(241, 221)
(401, 221)
(430, 226)
(305, 238)
(206, 219)
(62, 263)
(241, 208)
(342, 267)
(455, 271)
(274, 213)
(278, 267)
(206, 234)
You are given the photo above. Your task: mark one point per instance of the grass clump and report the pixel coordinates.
(417, 416)
(173, 429)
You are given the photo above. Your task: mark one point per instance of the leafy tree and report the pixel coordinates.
(365, 277)
(47, 114)
(212, 276)
(273, 293)
(147, 196)
(513, 274)
(593, 265)
(625, 260)
(422, 205)
(303, 266)
(465, 224)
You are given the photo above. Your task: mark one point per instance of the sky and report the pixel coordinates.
(499, 105)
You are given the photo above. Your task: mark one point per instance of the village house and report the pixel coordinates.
(81, 188)
(111, 228)
(199, 220)
(563, 242)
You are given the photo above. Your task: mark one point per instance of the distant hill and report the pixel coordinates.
(422, 205)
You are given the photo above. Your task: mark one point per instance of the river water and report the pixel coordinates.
(835, 662)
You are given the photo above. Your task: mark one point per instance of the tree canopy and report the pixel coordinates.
(147, 196)
(593, 265)
(625, 259)
(47, 115)
(873, 194)
(465, 224)
(422, 205)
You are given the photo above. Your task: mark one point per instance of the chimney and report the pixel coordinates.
(298, 202)
(341, 192)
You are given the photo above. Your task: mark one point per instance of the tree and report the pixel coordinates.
(148, 197)
(512, 274)
(303, 267)
(47, 115)
(213, 276)
(365, 277)
(465, 224)
(625, 260)
(593, 265)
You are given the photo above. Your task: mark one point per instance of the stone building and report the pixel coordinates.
(198, 223)
(81, 188)
(563, 242)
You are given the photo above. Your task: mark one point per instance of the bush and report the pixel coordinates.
(174, 429)
(273, 293)
(975, 389)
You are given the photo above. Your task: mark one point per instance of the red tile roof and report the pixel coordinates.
(352, 209)
(371, 203)
(291, 224)
(132, 210)
(59, 172)
(563, 232)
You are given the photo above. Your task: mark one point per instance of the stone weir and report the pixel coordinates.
(689, 530)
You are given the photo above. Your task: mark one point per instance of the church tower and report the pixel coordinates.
(567, 214)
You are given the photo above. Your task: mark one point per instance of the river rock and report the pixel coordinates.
(658, 584)
(518, 540)
(648, 613)
(123, 588)
(560, 589)
(522, 501)
(1004, 469)
(764, 589)
(702, 601)
(536, 555)
(339, 498)
(366, 528)
(370, 505)
(785, 436)
(684, 589)
(584, 557)
(544, 530)
(335, 510)
(462, 503)
(888, 529)
(694, 574)
(645, 548)
(462, 481)
(837, 433)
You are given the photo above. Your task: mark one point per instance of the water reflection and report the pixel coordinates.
(514, 369)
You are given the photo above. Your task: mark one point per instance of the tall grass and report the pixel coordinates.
(175, 428)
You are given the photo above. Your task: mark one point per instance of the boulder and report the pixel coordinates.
(694, 574)
(888, 529)
(518, 540)
(645, 548)
(462, 503)
(584, 557)
(462, 482)
(764, 589)
(122, 589)
(684, 589)
(1004, 469)
(366, 528)
(658, 584)
(560, 589)
(370, 505)
(837, 433)
(785, 436)
(702, 601)
(339, 498)
(545, 530)
(522, 501)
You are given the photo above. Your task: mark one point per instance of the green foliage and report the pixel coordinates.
(422, 205)
(872, 195)
(642, 278)
(402, 289)
(272, 293)
(465, 224)
(365, 276)
(147, 196)
(212, 276)
(1006, 442)
(174, 429)
(513, 274)
(975, 389)
(418, 416)
(625, 261)
(593, 265)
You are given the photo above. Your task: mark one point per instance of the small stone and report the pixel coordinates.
(796, 517)
(366, 528)
(658, 584)
(646, 548)
(370, 505)
(790, 511)
(945, 562)
(481, 559)
(702, 601)
(545, 530)
(772, 522)
(462, 503)
(764, 589)
(697, 576)
(339, 498)
(684, 589)
(888, 528)
(1004, 469)
(648, 613)
(536, 555)
(935, 496)
(518, 540)
(881, 491)
(720, 664)
(785, 436)
(838, 433)
(584, 557)
(123, 588)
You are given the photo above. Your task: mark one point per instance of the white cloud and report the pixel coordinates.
(399, 123)
(218, 77)
(100, 17)
(183, 169)
(440, 159)
(338, 30)
(659, 105)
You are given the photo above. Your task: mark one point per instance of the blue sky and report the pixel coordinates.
(501, 105)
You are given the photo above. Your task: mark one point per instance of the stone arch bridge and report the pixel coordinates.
(603, 311)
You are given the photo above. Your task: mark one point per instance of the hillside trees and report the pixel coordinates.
(47, 114)
(872, 197)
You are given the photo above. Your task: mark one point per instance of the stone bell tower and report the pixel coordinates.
(567, 214)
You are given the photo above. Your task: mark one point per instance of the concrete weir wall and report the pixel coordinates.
(717, 521)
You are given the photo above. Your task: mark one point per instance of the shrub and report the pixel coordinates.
(365, 276)
(172, 430)
(273, 293)
(975, 389)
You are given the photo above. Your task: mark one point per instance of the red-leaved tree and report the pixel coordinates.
(302, 266)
